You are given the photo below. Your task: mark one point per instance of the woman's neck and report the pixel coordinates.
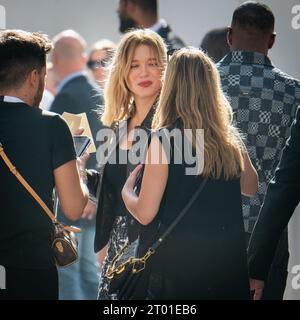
(142, 108)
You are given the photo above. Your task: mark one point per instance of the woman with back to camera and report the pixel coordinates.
(204, 257)
(131, 92)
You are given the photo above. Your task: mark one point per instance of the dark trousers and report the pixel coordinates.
(30, 284)
(276, 282)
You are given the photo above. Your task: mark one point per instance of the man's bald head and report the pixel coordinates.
(68, 54)
(69, 44)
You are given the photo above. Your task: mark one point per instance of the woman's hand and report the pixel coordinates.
(249, 178)
(130, 182)
(89, 211)
(78, 132)
(145, 206)
(81, 164)
(81, 161)
(128, 195)
(257, 287)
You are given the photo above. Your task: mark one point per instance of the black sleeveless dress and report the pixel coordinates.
(204, 257)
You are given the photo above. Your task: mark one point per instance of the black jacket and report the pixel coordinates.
(100, 190)
(81, 95)
(172, 41)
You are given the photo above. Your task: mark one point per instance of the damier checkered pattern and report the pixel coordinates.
(264, 101)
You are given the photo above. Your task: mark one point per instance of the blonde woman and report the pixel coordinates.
(204, 257)
(131, 92)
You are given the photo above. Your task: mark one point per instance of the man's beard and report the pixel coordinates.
(39, 94)
(126, 24)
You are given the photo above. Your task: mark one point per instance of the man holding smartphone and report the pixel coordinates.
(39, 144)
(81, 144)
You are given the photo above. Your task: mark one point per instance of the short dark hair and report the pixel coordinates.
(20, 53)
(254, 15)
(215, 43)
(147, 5)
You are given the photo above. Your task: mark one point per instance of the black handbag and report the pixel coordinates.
(128, 273)
(125, 271)
(63, 241)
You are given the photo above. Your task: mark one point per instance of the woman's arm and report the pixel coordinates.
(249, 178)
(72, 193)
(145, 206)
(101, 255)
(91, 177)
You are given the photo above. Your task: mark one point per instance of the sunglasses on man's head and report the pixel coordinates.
(171, 52)
(96, 64)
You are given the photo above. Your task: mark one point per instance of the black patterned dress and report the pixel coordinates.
(115, 175)
(118, 238)
(124, 227)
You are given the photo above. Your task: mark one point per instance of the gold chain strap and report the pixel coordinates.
(139, 264)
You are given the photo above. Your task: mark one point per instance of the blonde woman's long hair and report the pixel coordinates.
(192, 93)
(118, 98)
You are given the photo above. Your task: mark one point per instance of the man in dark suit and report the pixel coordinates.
(282, 197)
(77, 94)
(143, 14)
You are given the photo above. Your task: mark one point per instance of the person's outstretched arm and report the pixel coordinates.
(72, 192)
(145, 206)
(249, 178)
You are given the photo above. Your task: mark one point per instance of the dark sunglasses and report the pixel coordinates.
(171, 52)
(95, 64)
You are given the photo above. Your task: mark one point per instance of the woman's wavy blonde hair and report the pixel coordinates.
(118, 98)
(192, 93)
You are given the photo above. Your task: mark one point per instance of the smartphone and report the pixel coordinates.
(81, 143)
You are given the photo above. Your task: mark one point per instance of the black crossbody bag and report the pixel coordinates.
(127, 272)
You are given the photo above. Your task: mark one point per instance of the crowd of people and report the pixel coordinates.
(165, 118)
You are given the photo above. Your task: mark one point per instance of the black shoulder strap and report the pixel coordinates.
(180, 216)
